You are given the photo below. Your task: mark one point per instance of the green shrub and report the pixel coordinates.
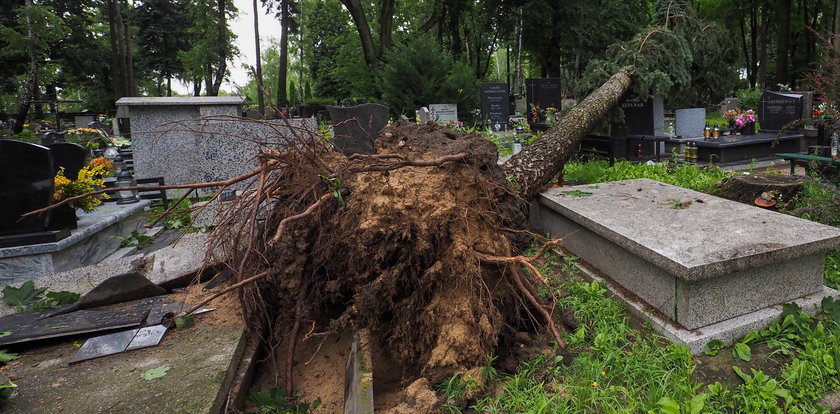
(749, 98)
(420, 73)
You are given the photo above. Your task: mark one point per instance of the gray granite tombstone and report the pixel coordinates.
(26, 171)
(70, 156)
(357, 127)
(690, 122)
(777, 109)
(729, 104)
(424, 116)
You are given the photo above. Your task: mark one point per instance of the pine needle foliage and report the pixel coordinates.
(679, 55)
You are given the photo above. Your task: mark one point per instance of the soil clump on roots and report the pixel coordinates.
(407, 242)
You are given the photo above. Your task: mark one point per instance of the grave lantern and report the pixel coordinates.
(126, 180)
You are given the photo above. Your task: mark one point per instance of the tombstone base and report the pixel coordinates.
(33, 238)
(728, 331)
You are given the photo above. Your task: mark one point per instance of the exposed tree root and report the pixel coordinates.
(419, 247)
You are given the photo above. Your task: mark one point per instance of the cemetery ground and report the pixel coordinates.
(496, 354)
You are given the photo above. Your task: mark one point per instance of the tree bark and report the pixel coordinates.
(534, 167)
(765, 28)
(386, 26)
(283, 70)
(362, 26)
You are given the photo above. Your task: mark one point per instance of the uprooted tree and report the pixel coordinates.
(419, 242)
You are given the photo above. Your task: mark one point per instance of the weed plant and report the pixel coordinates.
(687, 176)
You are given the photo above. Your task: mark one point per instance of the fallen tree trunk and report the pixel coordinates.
(530, 170)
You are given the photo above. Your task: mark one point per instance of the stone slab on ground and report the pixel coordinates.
(712, 260)
(98, 235)
(202, 361)
(183, 258)
(168, 264)
(729, 331)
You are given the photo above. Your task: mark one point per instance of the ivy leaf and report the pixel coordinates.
(23, 296)
(8, 356)
(831, 308)
(63, 297)
(155, 373)
(742, 352)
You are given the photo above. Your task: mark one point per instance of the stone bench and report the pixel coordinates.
(698, 263)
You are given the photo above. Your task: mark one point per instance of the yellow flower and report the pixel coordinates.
(603, 373)
(594, 384)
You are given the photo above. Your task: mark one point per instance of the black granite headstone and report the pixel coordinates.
(643, 117)
(26, 184)
(357, 127)
(777, 109)
(544, 92)
(495, 107)
(69, 155)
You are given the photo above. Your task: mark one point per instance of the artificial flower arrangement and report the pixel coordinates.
(550, 114)
(90, 178)
(745, 118)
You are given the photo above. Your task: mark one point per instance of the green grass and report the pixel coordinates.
(620, 369)
(687, 176)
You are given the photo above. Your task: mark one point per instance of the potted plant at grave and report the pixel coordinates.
(64, 217)
(745, 121)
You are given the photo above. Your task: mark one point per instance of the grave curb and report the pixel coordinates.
(728, 331)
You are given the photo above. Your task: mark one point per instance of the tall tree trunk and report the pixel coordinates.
(130, 89)
(783, 41)
(118, 69)
(219, 76)
(260, 102)
(386, 26)
(362, 26)
(282, 72)
(754, 30)
(750, 58)
(29, 91)
(534, 167)
(765, 28)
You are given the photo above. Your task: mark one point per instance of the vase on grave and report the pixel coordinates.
(63, 217)
(748, 129)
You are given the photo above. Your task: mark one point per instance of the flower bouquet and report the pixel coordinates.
(745, 121)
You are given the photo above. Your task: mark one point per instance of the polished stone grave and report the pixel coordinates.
(98, 234)
(697, 266)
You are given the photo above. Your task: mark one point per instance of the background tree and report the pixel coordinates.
(161, 36)
(419, 73)
(211, 44)
(287, 13)
(29, 35)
